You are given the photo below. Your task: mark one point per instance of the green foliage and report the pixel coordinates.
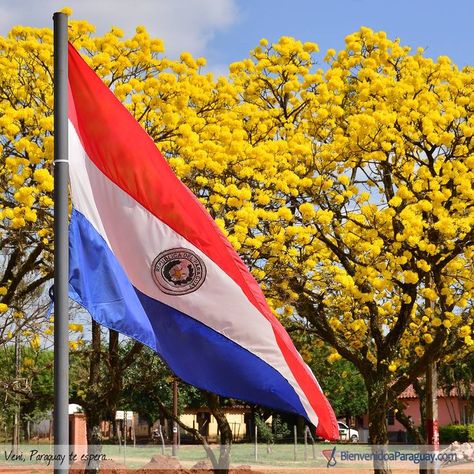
(280, 429)
(148, 382)
(30, 386)
(7, 361)
(41, 381)
(341, 382)
(274, 433)
(459, 373)
(460, 433)
(264, 430)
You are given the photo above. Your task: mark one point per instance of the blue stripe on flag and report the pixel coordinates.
(195, 352)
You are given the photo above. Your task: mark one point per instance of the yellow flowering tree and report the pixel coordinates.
(347, 189)
(350, 194)
(25, 181)
(138, 75)
(26, 150)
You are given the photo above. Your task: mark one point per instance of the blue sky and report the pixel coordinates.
(224, 31)
(443, 27)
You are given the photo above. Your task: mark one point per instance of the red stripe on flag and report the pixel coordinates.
(123, 151)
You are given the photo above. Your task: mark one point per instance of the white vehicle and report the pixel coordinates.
(347, 434)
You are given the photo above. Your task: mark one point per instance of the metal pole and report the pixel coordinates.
(134, 434)
(255, 449)
(61, 257)
(432, 427)
(125, 431)
(295, 435)
(175, 415)
(305, 443)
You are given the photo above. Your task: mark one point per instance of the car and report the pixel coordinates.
(347, 434)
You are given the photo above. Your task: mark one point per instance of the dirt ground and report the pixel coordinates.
(462, 469)
(458, 470)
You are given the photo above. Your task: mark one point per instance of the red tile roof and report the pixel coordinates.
(409, 392)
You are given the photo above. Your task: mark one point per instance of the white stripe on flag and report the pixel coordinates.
(136, 237)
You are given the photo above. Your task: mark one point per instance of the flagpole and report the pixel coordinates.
(61, 251)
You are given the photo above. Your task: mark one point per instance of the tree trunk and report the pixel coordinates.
(407, 422)
(94, 439)
(225, 434)
(114, 387)
(92, 408)
(378, 407)
(421, 394)
(114, 434)
(195, 432)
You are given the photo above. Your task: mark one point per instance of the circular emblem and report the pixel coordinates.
(178, 271)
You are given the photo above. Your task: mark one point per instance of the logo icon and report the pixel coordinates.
(178, 271)
(330, 455)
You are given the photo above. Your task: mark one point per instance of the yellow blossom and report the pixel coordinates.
(428, 338)
(335, 356)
